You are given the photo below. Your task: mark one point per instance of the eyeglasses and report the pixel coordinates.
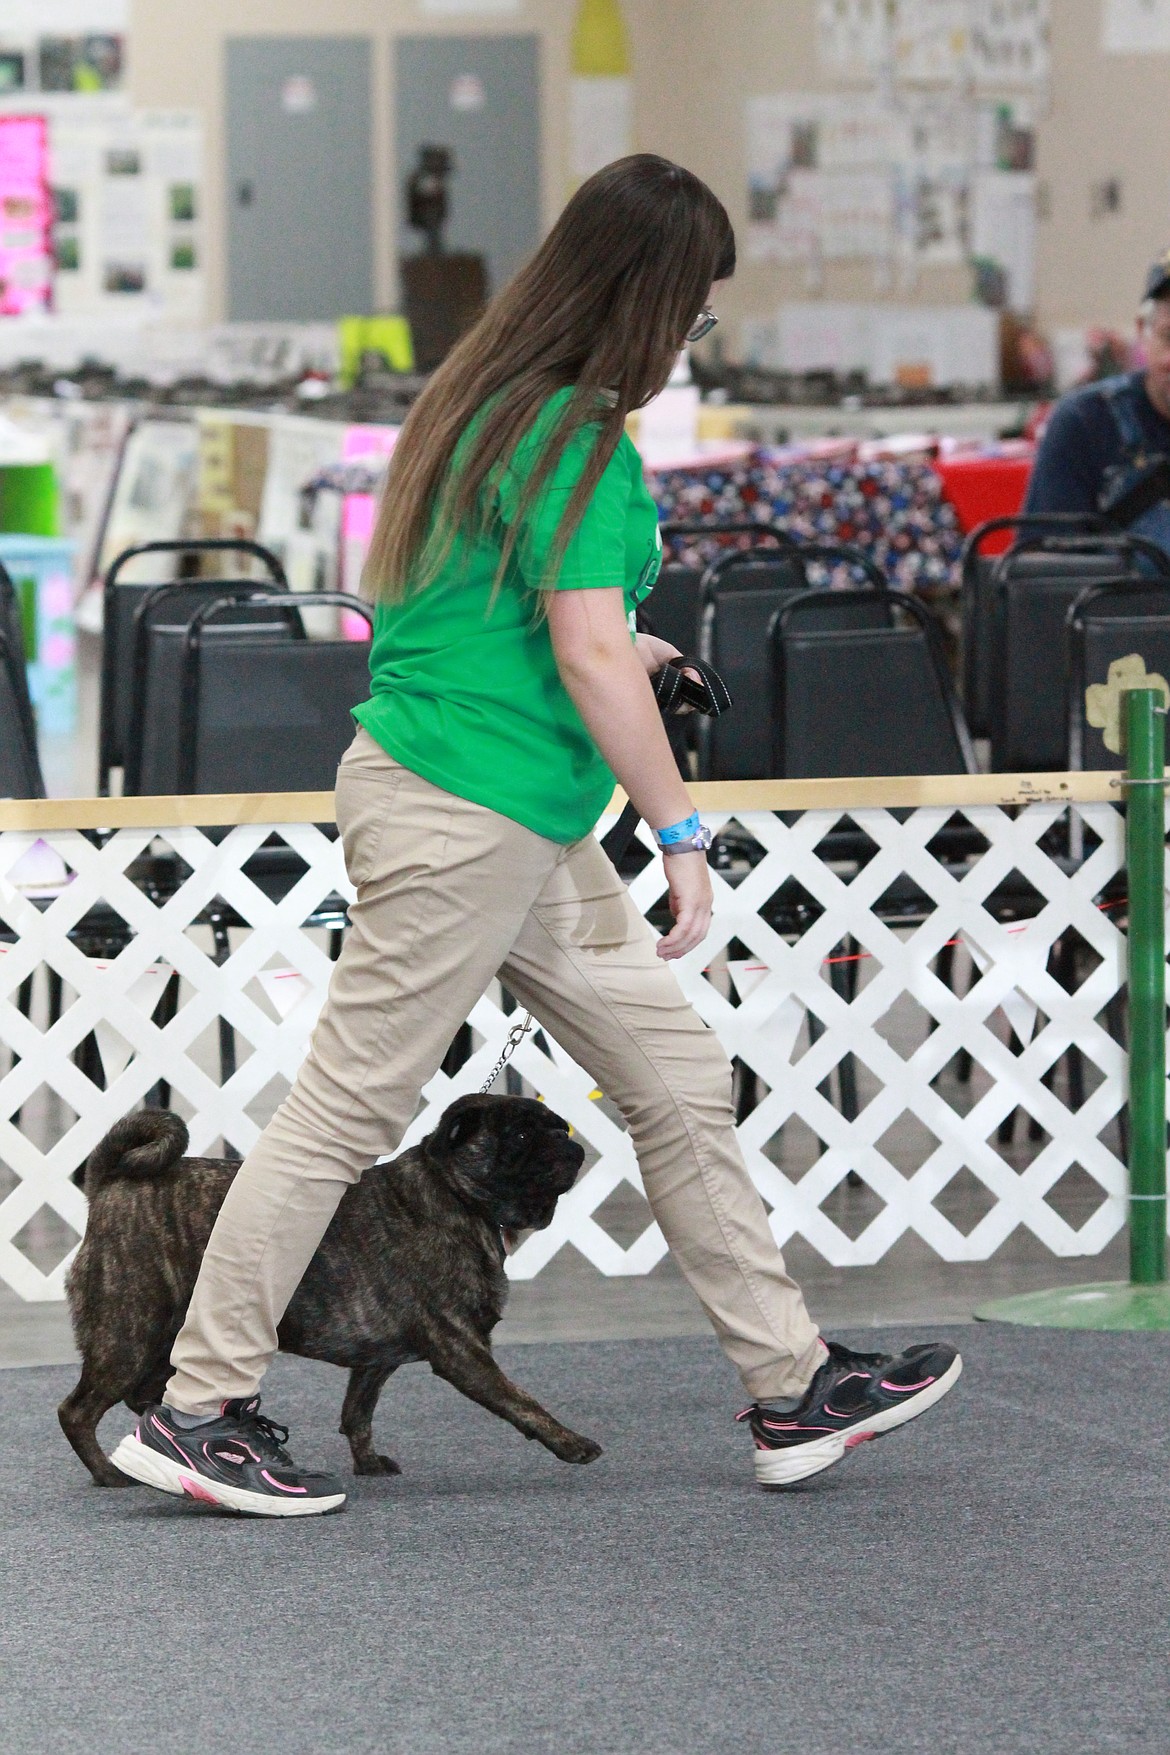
(703, 325)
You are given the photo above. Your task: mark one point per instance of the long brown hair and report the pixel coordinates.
(603, 306)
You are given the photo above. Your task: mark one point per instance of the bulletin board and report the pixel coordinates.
(127, 194)
(930, 164)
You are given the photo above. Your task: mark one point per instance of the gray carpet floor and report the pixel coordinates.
(993, 1579)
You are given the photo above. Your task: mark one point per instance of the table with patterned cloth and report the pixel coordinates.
(894, 509)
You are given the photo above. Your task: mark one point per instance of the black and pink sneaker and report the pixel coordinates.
(237, 1462)
(852, 1398)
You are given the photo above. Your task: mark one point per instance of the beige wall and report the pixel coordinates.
(1110, 117)
(176, 59)
(695, 61)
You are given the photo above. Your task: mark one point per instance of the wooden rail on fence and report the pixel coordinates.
(215, 809)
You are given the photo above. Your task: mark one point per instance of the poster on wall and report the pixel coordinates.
(931, 40)
(853, 37)
(25, 216)
(819, 177)
(993, 43)
(59, 46)
(1003, 231)
(1135, 27)
(1009, 43)
(126, 200)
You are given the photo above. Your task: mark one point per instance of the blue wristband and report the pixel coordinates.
(684, 831)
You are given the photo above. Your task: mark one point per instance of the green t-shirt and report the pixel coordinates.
(465, 691)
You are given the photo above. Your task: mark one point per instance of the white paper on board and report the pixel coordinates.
(1135, 27)
(1003, 228)
(853, 37)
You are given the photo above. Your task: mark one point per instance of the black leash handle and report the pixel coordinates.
(706, 692)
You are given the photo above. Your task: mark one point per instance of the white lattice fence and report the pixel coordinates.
(924, 1133)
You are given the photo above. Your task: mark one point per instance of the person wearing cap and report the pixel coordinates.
(1102, 431)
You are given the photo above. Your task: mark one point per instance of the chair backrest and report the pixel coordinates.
(123, 599)
(154, 747)
(260, 716)
(741, 595)
(267, 714)
(976, 578)
(12, 633)
(673, 608)
(855, 699)
(1106, 622)
(1035, 585)
(20, 766)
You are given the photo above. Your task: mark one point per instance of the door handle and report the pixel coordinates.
(244, 194)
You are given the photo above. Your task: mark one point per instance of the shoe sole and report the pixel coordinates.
(143, 1464)
(786, 1466)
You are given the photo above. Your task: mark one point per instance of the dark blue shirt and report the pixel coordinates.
(1080, 443)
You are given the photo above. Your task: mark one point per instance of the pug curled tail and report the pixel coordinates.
(138, 1148)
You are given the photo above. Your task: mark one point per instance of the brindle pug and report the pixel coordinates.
(410, 1268)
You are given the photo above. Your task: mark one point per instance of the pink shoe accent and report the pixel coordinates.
(196, 1490)
(794, 1426)
(907, 1388)
(273, 1482)
(855, 1438)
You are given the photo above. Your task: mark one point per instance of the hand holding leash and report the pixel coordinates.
(675, 693)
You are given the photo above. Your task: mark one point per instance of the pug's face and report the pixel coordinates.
(509, 1158)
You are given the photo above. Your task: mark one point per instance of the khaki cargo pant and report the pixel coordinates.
(450, 894)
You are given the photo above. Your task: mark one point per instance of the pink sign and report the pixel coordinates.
(26, 215)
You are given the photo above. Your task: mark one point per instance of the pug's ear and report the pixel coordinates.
(460, 1129)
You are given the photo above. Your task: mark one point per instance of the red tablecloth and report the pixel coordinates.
(985, 487)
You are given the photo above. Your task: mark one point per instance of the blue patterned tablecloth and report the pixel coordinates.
(893, 509)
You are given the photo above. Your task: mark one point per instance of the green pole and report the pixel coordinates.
(1145, 717)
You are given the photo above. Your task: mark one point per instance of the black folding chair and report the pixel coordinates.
(1034, 586)
(977, 572)
(258, 708)
(12, 632)
(152, 752)
(856, 699)
(267, 715)
(124, 599)
(852, 697)
(1106, 622)
(672, 610)
(741, 595)
(20, 765)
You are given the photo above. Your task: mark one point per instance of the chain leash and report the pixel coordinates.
(516, 1035)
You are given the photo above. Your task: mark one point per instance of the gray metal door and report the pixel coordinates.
(480, 96)
(298, 168)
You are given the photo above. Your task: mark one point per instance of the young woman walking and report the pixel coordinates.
(515, 540)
